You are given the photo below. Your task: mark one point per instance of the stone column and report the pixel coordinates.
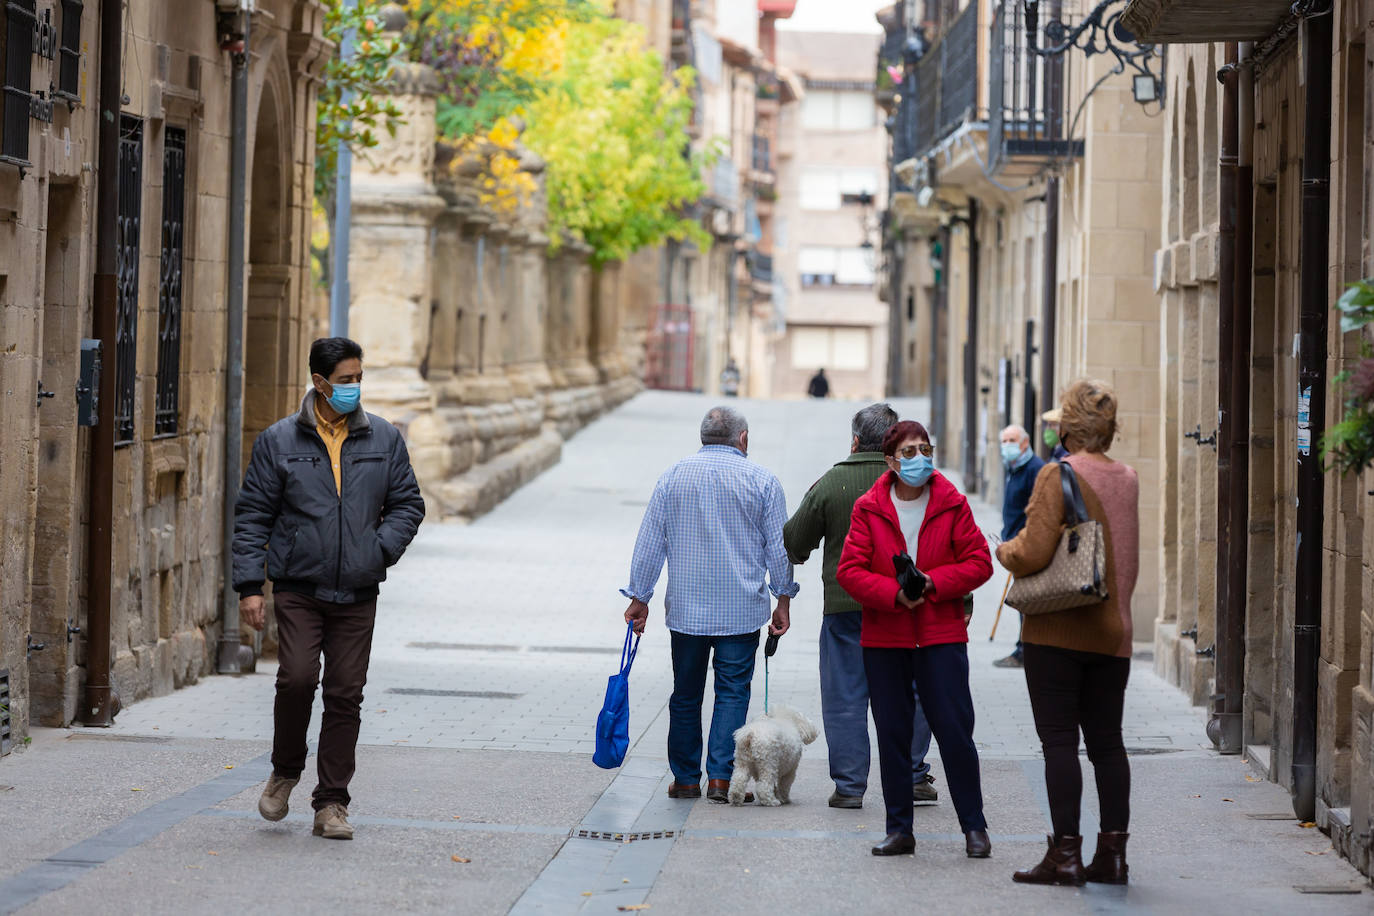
(395, 207)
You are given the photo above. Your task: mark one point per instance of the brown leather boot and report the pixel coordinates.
(1063, 864)
(1109, 861)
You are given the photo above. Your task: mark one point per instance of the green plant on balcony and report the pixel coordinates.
(1349, 445)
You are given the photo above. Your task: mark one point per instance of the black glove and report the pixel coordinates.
(911, 579)
(771, 645)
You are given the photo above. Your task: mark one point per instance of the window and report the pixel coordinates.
(169, 282)
(69, 53)
(821, 266)
(20, 25)
(126, 274)
(832, 109)
(830, 188)
(841, 349)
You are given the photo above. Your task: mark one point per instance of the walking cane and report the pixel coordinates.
(999, 609)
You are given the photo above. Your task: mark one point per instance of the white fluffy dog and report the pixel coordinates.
(767, 750)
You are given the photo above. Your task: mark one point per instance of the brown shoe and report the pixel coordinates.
(718, 790)
(684, 790)
(1109, 861)
(273, 804)
(331, 822)
(1062, 865)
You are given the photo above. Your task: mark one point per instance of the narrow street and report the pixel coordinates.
(474, 781)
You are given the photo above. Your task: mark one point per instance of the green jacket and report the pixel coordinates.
(824, 513)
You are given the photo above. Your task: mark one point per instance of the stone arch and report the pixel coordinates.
(1189, 173)
(270, 337)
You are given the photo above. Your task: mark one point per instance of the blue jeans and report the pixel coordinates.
(844, 707)
(734, 666)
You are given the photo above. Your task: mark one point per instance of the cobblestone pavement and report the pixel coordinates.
(493, 644)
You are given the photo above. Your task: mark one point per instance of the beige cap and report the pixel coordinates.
(1051, 416)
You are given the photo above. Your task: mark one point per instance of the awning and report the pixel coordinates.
(1196, 21)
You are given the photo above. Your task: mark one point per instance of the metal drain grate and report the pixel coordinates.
(6, 737)
(471, 694)
(615, 837)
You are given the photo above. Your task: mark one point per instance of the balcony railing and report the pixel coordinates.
(1026, 122)
(762, 158)
(947, 82)
(761, 267)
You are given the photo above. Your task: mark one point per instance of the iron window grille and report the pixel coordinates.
(6, 736)
(126, 274)
(69, 54)
(21, 24)
(169, 290)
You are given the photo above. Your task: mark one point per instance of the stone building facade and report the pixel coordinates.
(973, 247)
(170, 358)
(1261, 615)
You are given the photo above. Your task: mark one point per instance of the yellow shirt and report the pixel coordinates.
(333, 435)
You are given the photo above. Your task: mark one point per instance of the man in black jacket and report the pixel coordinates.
(328, 503)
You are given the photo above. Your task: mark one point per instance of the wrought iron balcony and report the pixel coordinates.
(761, 267)
(947, 83)
(1026, 117)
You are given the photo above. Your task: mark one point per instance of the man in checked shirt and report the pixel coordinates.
(716, 518)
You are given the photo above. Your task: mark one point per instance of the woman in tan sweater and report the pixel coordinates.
(1077, 661)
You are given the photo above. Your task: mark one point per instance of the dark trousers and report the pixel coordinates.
(940, 676)
(733, 659)
(306, 628)
(1070, 691)
(844, 707)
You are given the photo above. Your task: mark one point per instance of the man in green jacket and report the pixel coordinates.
(824, 515)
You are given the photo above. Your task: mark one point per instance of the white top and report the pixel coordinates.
(910, 515)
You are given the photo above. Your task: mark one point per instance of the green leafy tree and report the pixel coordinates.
(613, 130)
(1349, 444)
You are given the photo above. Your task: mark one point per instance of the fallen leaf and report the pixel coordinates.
(633, 907)
(1249, 778)
(1228, 799)
(457, 817)
(1311, 853)
(586, 893)
(1194, 796)
(624, 880)
(228, 766)
(212, 852)
(460, 859)
(135, 790)
(1308, 824)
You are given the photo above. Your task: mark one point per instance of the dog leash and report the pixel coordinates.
(768, 649)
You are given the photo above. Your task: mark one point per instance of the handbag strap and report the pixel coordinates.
(1075, 511)
(628, 652)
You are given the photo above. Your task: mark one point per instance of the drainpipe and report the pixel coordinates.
(1224, 726)
(971, 356)
(1313, 306)
(101, 702)
(937, 389)
(1048, 304)
(234, 657)
(1233, 667)
(343, 208)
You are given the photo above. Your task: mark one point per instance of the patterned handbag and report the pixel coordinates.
(1075, 575)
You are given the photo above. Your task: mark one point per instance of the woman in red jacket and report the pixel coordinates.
(913, 510)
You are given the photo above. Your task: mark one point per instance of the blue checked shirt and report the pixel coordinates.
(717, 519)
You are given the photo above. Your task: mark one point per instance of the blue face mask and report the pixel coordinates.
(1010, 452)
(916, 471)
(346, 398)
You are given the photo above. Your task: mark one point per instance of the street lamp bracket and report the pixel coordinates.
(1102, 31)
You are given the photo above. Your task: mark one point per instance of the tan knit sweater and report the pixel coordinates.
(1104, 628)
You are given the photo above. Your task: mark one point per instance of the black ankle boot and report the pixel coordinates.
(1063, 864)
(1109, 861)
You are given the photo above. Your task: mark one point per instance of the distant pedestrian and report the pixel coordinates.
(1051, 435)
(329, 502)
(716, 518)
(912, 509)
(824, 513)
(729, 379)
(819, 386)
(1078, 661)
(1022, 466)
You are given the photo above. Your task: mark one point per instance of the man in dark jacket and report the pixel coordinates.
(328, 503)
(819, 386)
(1022, 466)
(824, 514)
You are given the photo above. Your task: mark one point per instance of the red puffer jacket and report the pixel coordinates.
(951, 551)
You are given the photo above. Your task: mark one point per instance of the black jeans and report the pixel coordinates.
(940, 675)
(1069, 691)
(307, 628)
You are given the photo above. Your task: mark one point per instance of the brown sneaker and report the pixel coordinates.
(331, 822)
(273, 803)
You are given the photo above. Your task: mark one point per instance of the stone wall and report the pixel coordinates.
(167, 485)
(487, 345)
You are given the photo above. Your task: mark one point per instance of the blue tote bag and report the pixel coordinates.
(613, 725)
